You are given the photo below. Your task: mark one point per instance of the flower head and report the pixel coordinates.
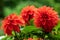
(27, 13)
(46, 18)
(11, 23)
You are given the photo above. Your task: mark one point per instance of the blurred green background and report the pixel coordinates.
(14, 6)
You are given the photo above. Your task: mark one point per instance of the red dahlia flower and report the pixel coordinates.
(27, 13)
(11, 23)
(46, 18)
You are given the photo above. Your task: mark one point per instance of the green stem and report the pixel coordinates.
(16, 36)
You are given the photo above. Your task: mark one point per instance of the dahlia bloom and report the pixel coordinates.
(27, 13)
(11, 23)
(46, 18)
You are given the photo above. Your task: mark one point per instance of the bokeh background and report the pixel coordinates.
(14, 6)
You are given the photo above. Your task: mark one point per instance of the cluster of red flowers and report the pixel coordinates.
(44, 17)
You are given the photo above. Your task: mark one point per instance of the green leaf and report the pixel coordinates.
(13, 33)
(28, 29)
(8, 38)
(57, 26)
(56, 32)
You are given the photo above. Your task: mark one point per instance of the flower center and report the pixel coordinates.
(44, 16)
